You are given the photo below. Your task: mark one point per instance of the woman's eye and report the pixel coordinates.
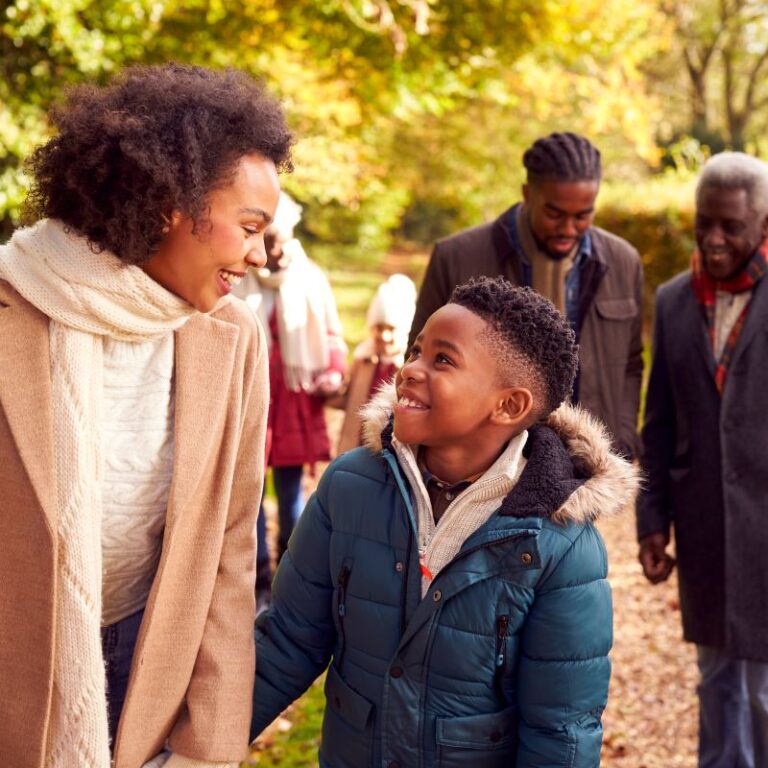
(250, 231)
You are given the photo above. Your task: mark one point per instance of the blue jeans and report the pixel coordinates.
(117, 643)
(733, 711)
(290, 502)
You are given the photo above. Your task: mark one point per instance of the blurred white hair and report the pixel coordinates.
(287, 216)
(737, 170)
(394, 303)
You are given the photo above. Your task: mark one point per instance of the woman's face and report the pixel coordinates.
(203, 266)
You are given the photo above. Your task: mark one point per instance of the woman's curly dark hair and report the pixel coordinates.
(153, 140)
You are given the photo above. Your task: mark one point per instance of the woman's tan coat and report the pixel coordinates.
(192, 674)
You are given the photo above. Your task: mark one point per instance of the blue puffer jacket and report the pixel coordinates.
(503, 663)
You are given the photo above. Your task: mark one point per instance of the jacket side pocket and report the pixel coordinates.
(489, 740)
(347, 740)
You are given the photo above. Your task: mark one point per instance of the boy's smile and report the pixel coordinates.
(449, 396)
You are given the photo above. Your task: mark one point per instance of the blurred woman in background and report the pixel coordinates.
(307, 360)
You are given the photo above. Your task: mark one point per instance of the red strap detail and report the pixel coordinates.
(426, 572)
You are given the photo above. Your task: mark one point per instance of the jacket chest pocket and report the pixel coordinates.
(488, 740)
(616, 320)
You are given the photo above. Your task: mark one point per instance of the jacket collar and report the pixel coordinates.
(571, 472)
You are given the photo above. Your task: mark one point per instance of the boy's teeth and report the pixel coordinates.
(410, 403)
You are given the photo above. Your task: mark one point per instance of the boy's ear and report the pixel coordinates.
(514, 407)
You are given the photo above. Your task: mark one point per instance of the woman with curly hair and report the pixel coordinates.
(133, 403)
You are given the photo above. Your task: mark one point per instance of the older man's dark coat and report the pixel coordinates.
(610, 343)
(706, 458)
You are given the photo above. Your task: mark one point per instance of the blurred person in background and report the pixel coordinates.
(293, 299)
(378, 358)
(705, 454)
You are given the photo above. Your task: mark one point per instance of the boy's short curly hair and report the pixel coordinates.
(153, 140)
(529, 338)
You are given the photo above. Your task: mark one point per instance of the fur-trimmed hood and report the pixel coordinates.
(572, 474)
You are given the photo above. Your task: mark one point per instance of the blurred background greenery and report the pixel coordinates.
(412, 115)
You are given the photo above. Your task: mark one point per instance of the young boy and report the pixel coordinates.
(449, 571)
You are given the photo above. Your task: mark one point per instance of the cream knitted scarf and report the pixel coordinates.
(306, 313)
(87, 296)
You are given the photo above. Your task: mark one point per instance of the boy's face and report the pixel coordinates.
(448, 390)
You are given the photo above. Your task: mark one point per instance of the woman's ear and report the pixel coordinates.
(514, 408)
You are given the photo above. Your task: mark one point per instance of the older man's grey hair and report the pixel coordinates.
(737, 170)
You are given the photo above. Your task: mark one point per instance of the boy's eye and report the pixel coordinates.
(413, 353)
(441, 358)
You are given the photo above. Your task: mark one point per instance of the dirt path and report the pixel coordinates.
(652, 715)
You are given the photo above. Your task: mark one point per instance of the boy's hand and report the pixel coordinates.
(656, 561)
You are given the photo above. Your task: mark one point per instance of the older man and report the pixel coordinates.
(706, 456)
(593, 277)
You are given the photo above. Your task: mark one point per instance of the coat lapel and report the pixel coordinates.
(755, 321)
(690, 316)
(25, 397)
(205, 358)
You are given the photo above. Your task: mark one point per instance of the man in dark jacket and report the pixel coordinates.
(705, 452)
(593, 277)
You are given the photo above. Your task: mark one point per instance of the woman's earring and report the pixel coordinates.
(166, 224)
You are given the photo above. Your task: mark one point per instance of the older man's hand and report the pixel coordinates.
(656, 561)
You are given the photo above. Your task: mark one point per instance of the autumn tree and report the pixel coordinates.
(723, 46)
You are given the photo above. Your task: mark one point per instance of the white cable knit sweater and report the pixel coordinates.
(137, 439)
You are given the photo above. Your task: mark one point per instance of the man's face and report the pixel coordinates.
(560, 212)
(727, 230)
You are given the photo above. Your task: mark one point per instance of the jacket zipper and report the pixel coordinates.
(502, 629)
(342, 612)
(404, 593)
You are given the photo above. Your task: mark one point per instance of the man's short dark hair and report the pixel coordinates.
(529, 337)
(562, 157)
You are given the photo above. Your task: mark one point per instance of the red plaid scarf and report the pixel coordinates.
(705, 289)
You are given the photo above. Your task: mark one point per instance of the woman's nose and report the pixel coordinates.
(257, 256)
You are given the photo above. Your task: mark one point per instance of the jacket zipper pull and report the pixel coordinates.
(343, 579)
(502, 629)
(342, 611)
(425, 572)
